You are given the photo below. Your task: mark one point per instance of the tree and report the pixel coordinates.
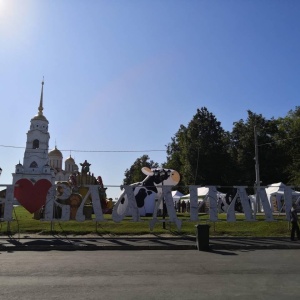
(270, 155)
(174, 150)
(200, 151)
(207, 150)
(134, 173)
(289, 142)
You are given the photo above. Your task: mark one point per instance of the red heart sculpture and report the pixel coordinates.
(32, 197)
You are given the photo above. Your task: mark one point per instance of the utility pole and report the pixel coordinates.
(257, 182)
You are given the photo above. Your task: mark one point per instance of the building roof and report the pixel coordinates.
(40, 117)
(70, 159)
(55, 152)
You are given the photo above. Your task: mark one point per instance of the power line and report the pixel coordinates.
(130, 151)
(11, 146)
(112, 151)
(96, 151)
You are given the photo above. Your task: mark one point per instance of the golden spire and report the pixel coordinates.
(41, 100)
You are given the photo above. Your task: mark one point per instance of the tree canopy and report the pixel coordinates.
(134, 174)
(205, 154)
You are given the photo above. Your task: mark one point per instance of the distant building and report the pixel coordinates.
(56, 161)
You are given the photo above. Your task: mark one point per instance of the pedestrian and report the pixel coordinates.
(179, 206)
(294, 221)
(183, 205)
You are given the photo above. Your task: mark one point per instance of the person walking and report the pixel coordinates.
(294, 221)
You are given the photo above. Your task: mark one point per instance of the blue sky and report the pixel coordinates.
(123, 75)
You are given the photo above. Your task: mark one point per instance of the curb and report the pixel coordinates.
(212, 247)
(255, 247)
(95, 248)
(143, 243)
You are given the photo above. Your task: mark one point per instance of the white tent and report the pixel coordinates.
(176, 196)
(201, 192)
(275, 194)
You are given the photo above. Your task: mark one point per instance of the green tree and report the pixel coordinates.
(174, 150)
(289, 143)
(134, 173)
(270, 155)
(200, 151)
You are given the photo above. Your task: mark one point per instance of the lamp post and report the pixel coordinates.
(161, 175)
(257, 181)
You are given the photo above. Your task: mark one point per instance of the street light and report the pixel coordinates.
(0, 171)
(161, 175)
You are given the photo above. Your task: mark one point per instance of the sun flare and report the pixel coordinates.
(16, 20)
(2, 6)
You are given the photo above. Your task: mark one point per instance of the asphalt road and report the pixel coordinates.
(148, 274)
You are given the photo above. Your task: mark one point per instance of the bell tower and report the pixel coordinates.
(35, 162)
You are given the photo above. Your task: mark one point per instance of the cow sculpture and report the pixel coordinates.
(145, 193)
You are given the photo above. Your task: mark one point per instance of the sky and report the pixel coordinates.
(121, 76)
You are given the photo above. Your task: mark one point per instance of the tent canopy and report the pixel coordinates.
(278, 189)
(176, 195)
(201, 192)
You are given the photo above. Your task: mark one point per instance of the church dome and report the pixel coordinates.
(70, 160)
(40, 117)
(55, 152)
(19, 168)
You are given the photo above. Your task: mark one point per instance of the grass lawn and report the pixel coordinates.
(24, 223)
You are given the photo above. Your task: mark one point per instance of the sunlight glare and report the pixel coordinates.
(16, 19)
(2, 7)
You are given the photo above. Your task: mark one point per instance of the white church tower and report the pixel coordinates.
(36, 161)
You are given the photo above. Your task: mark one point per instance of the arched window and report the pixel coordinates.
(33, 165)
(35, 144)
